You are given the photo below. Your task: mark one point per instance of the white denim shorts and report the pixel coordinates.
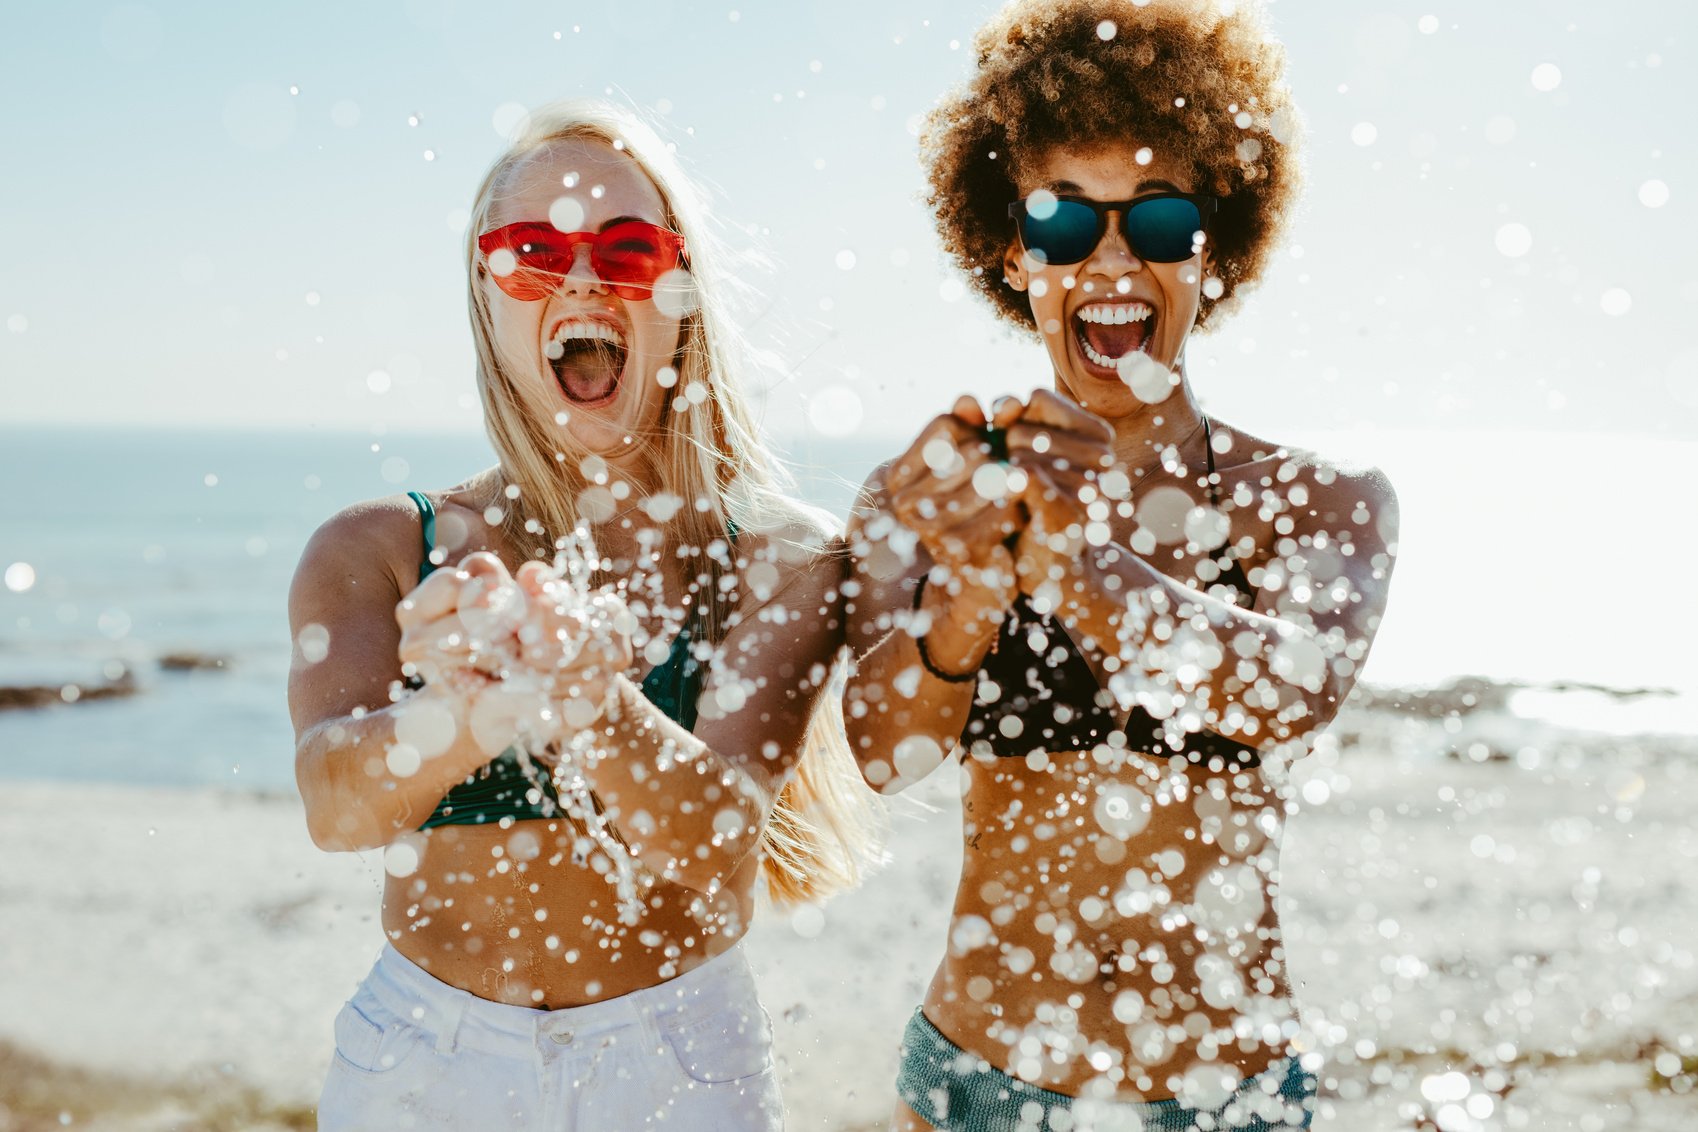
(692, 1053)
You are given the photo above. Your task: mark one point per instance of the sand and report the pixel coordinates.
(1462, 891)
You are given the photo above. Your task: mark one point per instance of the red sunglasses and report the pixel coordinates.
(628, 256)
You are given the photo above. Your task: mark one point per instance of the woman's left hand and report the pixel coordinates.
(1062, 448)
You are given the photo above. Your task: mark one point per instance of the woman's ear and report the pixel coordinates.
(1014, 265)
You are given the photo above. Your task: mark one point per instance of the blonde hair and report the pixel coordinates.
(823, 827)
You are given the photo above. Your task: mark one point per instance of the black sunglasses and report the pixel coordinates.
(1159, 228)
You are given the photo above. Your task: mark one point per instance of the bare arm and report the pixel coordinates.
(902, 718)
(360, 793)
(692, 806)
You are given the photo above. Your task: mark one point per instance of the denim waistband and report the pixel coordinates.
(956, 1091)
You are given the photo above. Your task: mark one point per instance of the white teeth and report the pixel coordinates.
(1103, 359)
(1099, 359)
(582, 329)
(1114, 314)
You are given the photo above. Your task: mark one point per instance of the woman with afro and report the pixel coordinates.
(1125, 616)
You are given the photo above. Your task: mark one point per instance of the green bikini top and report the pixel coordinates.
(501, 788)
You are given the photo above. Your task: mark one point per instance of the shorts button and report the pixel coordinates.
(563, 1038)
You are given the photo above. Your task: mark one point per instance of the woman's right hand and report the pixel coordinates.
(956, 496)
(457, 635)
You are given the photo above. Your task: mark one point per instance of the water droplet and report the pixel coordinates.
(1428, 24)
(509, 121)
(1615, 302)
(566, 214)
(835, 410)
(940, 456)
(807, 921)
(1514, 240)
(17, 324)
(1106, 30)
(990, 481)
(1500, 130)
(210, 479)
(1364, 133)
(675, 294)
(395, 470)
(1150, 381)
(1653, 194)
(378, 381)
(401, 859)
(845, 260)
(1546, 76)
(20, 576)
(313, 642)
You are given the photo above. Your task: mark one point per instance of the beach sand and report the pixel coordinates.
(1464, 890)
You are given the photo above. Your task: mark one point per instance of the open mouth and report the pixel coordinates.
(1108, 333)
(588, 359)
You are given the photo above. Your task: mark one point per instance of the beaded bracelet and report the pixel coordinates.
(920, 644)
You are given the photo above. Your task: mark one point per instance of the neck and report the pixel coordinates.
(1143, 438)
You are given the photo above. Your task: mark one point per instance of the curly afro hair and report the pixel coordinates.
(1198, 81)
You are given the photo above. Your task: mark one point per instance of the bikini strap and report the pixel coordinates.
(427, 512)
(1209, 452)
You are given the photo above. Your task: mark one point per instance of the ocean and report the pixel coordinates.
(1542, 557)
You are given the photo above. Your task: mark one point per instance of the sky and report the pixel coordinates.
(244, 215)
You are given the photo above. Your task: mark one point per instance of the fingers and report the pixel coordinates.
(437, 595)
(1006, 411)
(944, 518)
(946, 447)
(1053, 500)
(1047, 407)
(483, 564)
(968, 410)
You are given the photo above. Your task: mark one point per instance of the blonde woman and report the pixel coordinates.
(1122, 612)
(578, 773)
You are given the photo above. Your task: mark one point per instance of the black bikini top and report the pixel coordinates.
(1037, 692)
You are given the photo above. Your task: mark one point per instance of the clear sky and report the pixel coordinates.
(236, 214)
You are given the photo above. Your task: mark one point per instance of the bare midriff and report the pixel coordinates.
(509, 915)
(1115, 922)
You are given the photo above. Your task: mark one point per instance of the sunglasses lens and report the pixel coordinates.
(634, 255)
(1058, 231)
(529, 261)
(1164, 230)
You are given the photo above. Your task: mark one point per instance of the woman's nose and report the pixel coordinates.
(1113, 252)
(581, 276)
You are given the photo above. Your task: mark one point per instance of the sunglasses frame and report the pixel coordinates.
(511, 237)
(1204, 204)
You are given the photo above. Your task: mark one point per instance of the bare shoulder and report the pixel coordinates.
(355, 569)
(798, 557)
(377, 543)
(1312, 487)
